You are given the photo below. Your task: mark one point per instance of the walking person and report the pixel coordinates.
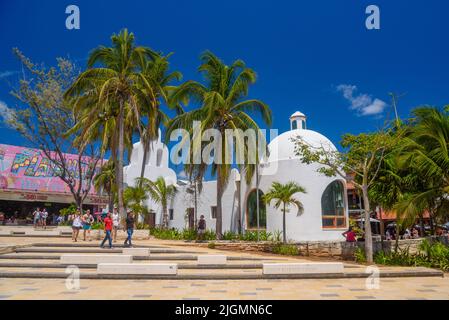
(130, 222)
(116, 223)
(201, 228)
(88, 219)
(36, 217)
(107, 229)
(44, 216)
(77, 224)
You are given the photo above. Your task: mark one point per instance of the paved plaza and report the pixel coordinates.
(43, 258)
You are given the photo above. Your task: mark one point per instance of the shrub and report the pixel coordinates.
(430, 255)
(359, 255)
(211, 245)
(285, 249)
(97, 226)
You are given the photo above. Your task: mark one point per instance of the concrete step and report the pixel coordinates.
(94, 266)
(83, 244)
(222, 276)
(92, 250)
(137, 269)
(79, 259)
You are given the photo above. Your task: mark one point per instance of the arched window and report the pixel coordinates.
(251, 211)
(333, 206)
(159, 157)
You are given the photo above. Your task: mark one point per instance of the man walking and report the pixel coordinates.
(36, 217)
(201, 228)
(129, 228)
(107, 229)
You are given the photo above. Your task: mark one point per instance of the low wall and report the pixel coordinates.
(337, 250)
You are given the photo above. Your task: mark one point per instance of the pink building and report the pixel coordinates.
(28, 180)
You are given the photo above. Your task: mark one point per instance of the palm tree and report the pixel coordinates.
(135, 198)
(222, 107)
(157, 73)
(160, 192)
(426, 151)
(283, 194)
(113, 86)
(105, 181)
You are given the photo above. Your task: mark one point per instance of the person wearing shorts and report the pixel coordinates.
(88, 219)
(115, 224)
(77, 224)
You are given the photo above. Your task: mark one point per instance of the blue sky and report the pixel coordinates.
(313, 56)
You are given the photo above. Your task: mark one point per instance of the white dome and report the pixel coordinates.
(298, 114)
(283, 148)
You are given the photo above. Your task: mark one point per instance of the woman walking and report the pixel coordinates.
(129, 228)
(76, 225)
(115, 224)
(88, 219)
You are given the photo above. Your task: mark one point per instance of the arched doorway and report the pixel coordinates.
(251, 211)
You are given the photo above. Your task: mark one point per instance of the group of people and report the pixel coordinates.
(111, 225)
(40, 218)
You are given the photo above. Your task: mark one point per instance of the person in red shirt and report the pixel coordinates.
(350, 235)
(108, 229)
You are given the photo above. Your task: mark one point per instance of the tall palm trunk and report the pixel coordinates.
(144, 159)
(284, 226)
(121, 151)
(368, 235)
(219, 223)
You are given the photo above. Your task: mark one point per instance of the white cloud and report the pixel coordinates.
(7, 114)
(363, 103)
(7, 73)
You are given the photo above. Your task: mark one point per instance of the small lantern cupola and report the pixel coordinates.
(298, 121)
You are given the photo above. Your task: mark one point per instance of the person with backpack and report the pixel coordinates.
(201, 228)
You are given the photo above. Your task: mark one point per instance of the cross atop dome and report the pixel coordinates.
(298, 121)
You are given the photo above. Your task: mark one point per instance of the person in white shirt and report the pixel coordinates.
(36, 217)
(44, 216)
(115, 224)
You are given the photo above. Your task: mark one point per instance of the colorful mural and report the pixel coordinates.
(29, 169)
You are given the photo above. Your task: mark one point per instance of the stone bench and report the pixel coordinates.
(136, 252)
(138, 268)
(79, 259)
(5, 232)
(212, 259)
(303, 268)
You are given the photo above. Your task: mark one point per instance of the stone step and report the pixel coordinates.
(222, 276)
(212, 259)
(137, 269)
(142, 252)
(303, 268)
(153, 257)
(78, 259)
(92, 250)
(94, 266)
(87, 245)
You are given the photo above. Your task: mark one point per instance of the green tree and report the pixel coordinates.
(42, 117)
(283, 195)
(426, 151)
(135, 198)
(105, 181)
(222, 107)
(114, 86)
(361, 160)
(160, 192)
